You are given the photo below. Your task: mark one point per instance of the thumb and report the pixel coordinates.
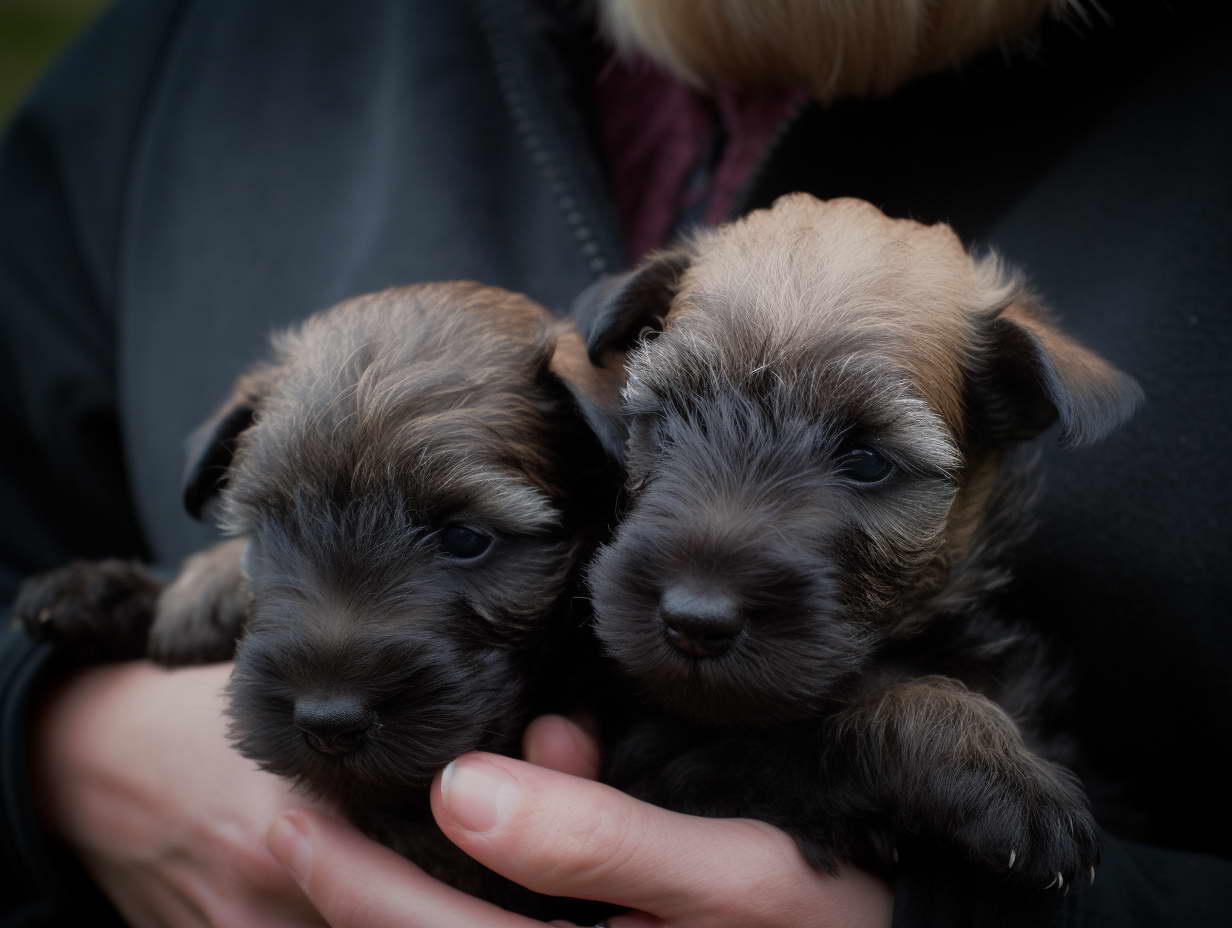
(566, 836)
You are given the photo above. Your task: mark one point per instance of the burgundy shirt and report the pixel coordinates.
(675, 156)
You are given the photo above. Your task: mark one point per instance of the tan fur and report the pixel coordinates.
(438, 388)
(809, 269)
(950, 353)
(570, 362)
(970, 507)
(422, 402)
(833, 48)
(1081, 372)
(933, 708)
(760, 574)
(213, 579)
(932, 723)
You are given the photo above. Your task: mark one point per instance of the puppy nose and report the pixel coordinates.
(700, 622)
(335, 724)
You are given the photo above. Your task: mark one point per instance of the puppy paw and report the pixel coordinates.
(1035, 829)
(95, 610)
(201, 614)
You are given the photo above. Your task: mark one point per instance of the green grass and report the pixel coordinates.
(32, 33)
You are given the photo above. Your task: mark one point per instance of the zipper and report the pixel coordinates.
(532, 134)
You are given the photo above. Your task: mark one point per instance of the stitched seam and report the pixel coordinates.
(541, 153)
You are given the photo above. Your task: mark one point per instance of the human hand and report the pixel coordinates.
(561, 834)
(133, 769)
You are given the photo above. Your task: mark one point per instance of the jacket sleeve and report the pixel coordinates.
(63, 489)
(1135, 887)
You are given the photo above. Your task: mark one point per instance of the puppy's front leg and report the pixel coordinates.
(951, 766)
(95, 611)
(115, 610)
(201, 614)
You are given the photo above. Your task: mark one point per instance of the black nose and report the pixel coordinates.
(700, 621)
(335, 724)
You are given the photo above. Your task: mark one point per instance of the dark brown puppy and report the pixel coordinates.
(411, 485)
(825, 472)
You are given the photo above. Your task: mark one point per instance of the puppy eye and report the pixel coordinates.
(462, 543)
(864, 465)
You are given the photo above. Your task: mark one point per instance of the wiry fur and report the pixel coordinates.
(200, 614)
(388, 419)
(872, 695)
(833, 48)
(99, 610)
(338, 465)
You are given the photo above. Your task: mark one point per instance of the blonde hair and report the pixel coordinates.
(832, 48)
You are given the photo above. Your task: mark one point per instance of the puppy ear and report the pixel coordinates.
(593, 390)
(613, 312)
(1034, 374)
(211, 446)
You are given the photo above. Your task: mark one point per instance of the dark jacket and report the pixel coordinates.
(194, 174)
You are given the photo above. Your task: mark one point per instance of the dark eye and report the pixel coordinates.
(465, 544)
(864, 465)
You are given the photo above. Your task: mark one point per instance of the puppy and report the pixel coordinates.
(411, 484)
(827, 412)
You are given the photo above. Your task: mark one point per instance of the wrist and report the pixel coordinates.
(78, 735)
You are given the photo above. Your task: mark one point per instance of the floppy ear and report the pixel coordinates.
(211, 446)
(612, 313)
(595, 391)
(1033, 374)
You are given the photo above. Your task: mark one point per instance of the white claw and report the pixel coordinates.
(894, 854)
(1092, 883)
(1013, 857)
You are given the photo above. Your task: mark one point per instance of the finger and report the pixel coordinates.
(357, 883)
(559, 743)
(566, 836)
(240, 884)
(144, 902)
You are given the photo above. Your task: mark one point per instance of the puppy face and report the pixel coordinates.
(407, 483)
(812, 443)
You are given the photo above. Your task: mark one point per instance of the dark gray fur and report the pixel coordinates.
(874, 700)
(337, 465)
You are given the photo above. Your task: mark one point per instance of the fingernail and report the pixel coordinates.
(288, 842)
(480, 796)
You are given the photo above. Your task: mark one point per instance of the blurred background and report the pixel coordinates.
(32, 33)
